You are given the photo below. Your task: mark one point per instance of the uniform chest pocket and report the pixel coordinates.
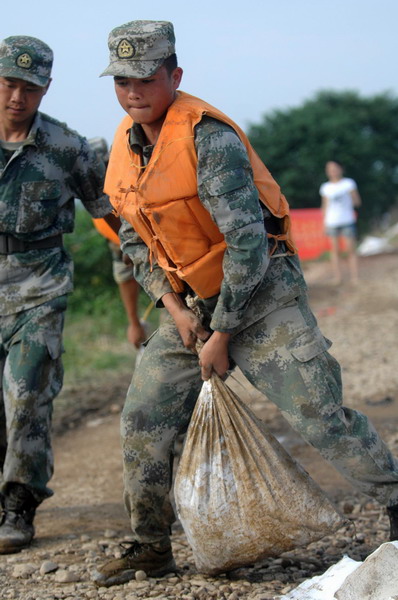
(38, 205)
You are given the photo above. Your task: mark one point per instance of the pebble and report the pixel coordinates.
(24, 570)
(110, 533)
(64, 576)
(14, 559)
(48, 566)
(90, 546)
(140, 576)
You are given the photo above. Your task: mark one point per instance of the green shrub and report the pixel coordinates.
(96, 323)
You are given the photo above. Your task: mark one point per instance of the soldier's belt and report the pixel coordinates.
(10, 244)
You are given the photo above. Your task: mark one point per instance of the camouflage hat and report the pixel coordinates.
(26, 58)
(139, 48)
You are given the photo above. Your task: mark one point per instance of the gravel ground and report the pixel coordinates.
(63, 569)
(83, 523)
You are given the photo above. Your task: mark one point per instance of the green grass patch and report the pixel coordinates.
(95, 340)
(96, 344)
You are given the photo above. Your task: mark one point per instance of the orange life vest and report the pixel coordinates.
(161, 199)
(106, 230)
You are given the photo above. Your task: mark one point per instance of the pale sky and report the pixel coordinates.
(246, 57)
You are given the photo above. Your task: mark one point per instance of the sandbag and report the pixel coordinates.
(239, 495)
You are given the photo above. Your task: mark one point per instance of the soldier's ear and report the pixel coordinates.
(176, 77)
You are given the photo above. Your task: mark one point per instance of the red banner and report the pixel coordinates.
(308, 232)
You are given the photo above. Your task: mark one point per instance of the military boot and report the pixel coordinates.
(16, 529)
(155, 559)
(392, 512)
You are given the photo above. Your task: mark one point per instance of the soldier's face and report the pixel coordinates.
(147, 100)
(19, 100)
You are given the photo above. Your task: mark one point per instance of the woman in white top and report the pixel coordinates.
(339, 199)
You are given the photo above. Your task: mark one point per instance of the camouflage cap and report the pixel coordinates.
(139, 48)
(26, 58)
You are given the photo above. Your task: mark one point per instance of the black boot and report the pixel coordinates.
(392, 512)
(16, 529)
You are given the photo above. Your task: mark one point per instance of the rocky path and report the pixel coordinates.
(83, 523)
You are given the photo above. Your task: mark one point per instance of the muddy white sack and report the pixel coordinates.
(239, 495)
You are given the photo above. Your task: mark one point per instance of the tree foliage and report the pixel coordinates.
(92, 264)
(95, 291)
(361, 133)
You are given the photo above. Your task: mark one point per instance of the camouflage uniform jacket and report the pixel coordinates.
(38, 185)
(226, 188)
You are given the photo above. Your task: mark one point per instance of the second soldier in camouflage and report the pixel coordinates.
(43, 166)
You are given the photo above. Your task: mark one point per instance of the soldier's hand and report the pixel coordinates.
(189, 326)
(214, 355)
(136, 334)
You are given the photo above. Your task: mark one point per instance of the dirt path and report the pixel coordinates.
(87, 482)
(84, 521)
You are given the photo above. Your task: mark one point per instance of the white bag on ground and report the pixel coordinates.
(373, 579)
(239, 495)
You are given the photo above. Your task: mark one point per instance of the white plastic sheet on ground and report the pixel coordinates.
(239, 495)
(374, 245)
(376, 578)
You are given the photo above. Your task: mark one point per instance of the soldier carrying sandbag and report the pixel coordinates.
(203, 219)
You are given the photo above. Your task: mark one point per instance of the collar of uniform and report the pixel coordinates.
(33, 136)
(34, 133)
(137, 140)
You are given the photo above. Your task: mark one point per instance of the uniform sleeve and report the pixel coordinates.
(87, 182)
(226, 188)
(152, 279)
(122, 273)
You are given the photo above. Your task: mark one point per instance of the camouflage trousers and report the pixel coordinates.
(285, 356)
(31, 376)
